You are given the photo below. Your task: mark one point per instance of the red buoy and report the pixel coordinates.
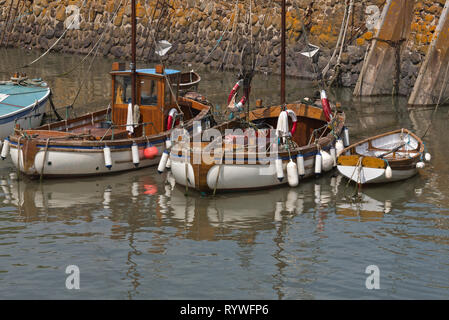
(150, 152)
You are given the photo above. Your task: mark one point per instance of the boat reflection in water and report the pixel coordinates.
(140, 201)
(374, 202)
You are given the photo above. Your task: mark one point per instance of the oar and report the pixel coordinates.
(391, 151)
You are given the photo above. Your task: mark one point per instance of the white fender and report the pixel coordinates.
(163, 161)
(420, 165)
(327, 162)
(333, 153)
(135, 154)
(279, 169)
(345, 136)
(318, 163)
(339, 147)
(300, 162)
(5, 149)
(388, 172)
(107, 157)
(168, 143)
(292, 174)
(168, 165)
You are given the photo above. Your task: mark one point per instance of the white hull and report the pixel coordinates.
(372, 175)
(79, 162)
(29, 118)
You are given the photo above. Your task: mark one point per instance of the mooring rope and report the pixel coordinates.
(232, 34)
(53, 45)
(93, 47)
(337, 66)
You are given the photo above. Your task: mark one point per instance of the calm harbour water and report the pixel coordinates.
(137, 236)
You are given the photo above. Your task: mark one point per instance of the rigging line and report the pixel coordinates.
(167, 81)
(93, 59)
(337, 66)
(218, 42)
(232, 33)
(150, 22)
(164, 8)
(5, 29)
(235, 30)
(13, 23)
(351, 5)
(326, 68)
(93, 48)
(54, 44)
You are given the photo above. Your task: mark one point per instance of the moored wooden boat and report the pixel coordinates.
(391, 156)
(240, 166)
(240, 160)
(22, 101)
(188, 80)
(131, 133)
(79, 146)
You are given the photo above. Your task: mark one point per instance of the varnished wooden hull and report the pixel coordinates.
(244, 171)
(53, 151)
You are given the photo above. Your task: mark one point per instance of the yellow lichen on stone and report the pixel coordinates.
(60, 14)
(429, 17)
(368, 35)
(315, 30)
(140, 10)
(360, 41)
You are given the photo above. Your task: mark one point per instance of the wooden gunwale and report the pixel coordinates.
(395, 164)
(96, 143)
(323, 142)
(195, 80)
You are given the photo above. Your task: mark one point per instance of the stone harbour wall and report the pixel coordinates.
(214, 33)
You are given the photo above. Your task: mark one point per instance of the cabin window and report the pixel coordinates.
(148, 92)
(122, 89)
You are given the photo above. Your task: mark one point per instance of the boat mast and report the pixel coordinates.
(133, 53)
(283, 54)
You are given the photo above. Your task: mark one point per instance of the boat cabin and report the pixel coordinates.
(153, 96)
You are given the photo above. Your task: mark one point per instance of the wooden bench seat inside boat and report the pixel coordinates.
(101, 133)
(90, 132)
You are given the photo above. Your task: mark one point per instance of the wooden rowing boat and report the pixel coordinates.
(391, 156)
(189, 80)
